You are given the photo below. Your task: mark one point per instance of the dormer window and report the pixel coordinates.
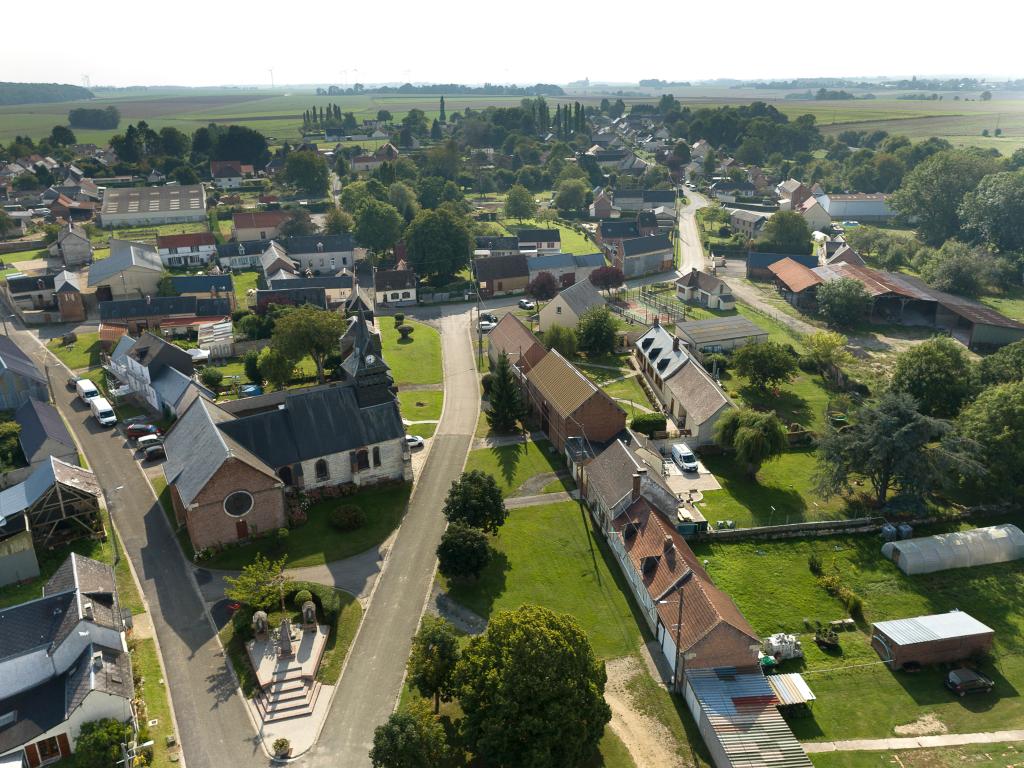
(8, 718)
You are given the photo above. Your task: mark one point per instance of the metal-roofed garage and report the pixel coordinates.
(961, 549)
(935, 639)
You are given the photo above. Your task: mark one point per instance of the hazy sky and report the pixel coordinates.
(524, 41)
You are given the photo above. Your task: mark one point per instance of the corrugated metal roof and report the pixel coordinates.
(714, 329)
(741, 709)
(938, 626)
(791, 688)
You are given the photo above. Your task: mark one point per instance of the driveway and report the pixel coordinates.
(372, 679)
(210, 715)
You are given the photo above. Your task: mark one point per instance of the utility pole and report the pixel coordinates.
(271, 79)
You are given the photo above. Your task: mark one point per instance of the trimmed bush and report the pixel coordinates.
(348, 517)
(648, 423)
(487, 381)
(399, 319)
(405, 331)
(716, 359)
(301, 598)
(814, 563)
(211, 377)
(807, 364)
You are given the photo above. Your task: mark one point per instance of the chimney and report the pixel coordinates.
(675, 344)
(669, 545)
(87, 610)
(693, 270)
(636, 486)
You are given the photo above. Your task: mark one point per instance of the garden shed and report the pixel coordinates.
(934, 639)
(961, 549)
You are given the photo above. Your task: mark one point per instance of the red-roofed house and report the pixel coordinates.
(186, 250)
(515, 340)
(228, 174)
(257, 226)
(706, 629)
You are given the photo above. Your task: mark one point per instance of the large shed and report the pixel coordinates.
(961, 549)
(935, 639)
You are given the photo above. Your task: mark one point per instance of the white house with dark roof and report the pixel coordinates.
(706, 290)
(63, 662)
(570, 303)
(132, 270)
(687, 393)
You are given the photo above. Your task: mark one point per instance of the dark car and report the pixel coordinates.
(138, 430)
(964, 681)
(489, 317)
(154, 453)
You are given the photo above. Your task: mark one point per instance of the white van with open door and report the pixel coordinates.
(103, 411)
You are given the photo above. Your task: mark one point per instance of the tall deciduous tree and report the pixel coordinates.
(338, 221)
(307, 330)
(507, 407)
(786, 232)
(378, 225)
(411, 738)
(843, 302)
(275, 368)
(755, 436)
(403, 197)
(938, 374)
(501, 675)
(766, 365)
(892, 444)
(463, 552)
(519, 203)
(260, 583)
(438, 242)
(828, 350)
(435, 651)
(995, 421)
(607, 278)
(596, 330)
(1003, 366)
(544, 287)
(571, 196)
(475, 500)
(563, 339)
(307, 172)
(932, 192)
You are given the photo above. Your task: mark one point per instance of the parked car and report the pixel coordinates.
(489, 317)
(851, 223)
(963, 681)
(72, 381)
(154, 453)
(486, 326)
(526, 304)
(148, 441)
(414, 441)
(135, 431)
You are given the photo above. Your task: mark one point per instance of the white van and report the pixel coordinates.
(683, 456)
(103, 411)
(86, 390)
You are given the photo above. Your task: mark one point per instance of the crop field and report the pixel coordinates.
(278, 113)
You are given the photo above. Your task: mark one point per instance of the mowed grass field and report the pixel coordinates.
(278, 113)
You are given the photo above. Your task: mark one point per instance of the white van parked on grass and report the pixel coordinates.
(684, 458)
(103, 411)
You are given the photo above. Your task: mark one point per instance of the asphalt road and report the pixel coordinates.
(212, 723)
(692, 252)
(372, 680)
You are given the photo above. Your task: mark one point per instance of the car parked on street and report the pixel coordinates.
(526, 304)
(148, 441)
(135, 431)
(154, 453)
(486, 326)
(489, 317)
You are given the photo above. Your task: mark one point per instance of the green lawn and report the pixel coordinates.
(149, 234)
(84, 353)
(423, 430)
(549, 555)
(572, 241)
(243, 281)
(1011, 303)
(317, 541)
(513, 465)
(146, 663)
(785, 483)
(773, 586)
(801, 401)
(421, 404)
(991, 755)
(416, 361)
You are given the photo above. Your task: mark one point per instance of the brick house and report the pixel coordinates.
(568, 404)
(514, 339)
(228, 467)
